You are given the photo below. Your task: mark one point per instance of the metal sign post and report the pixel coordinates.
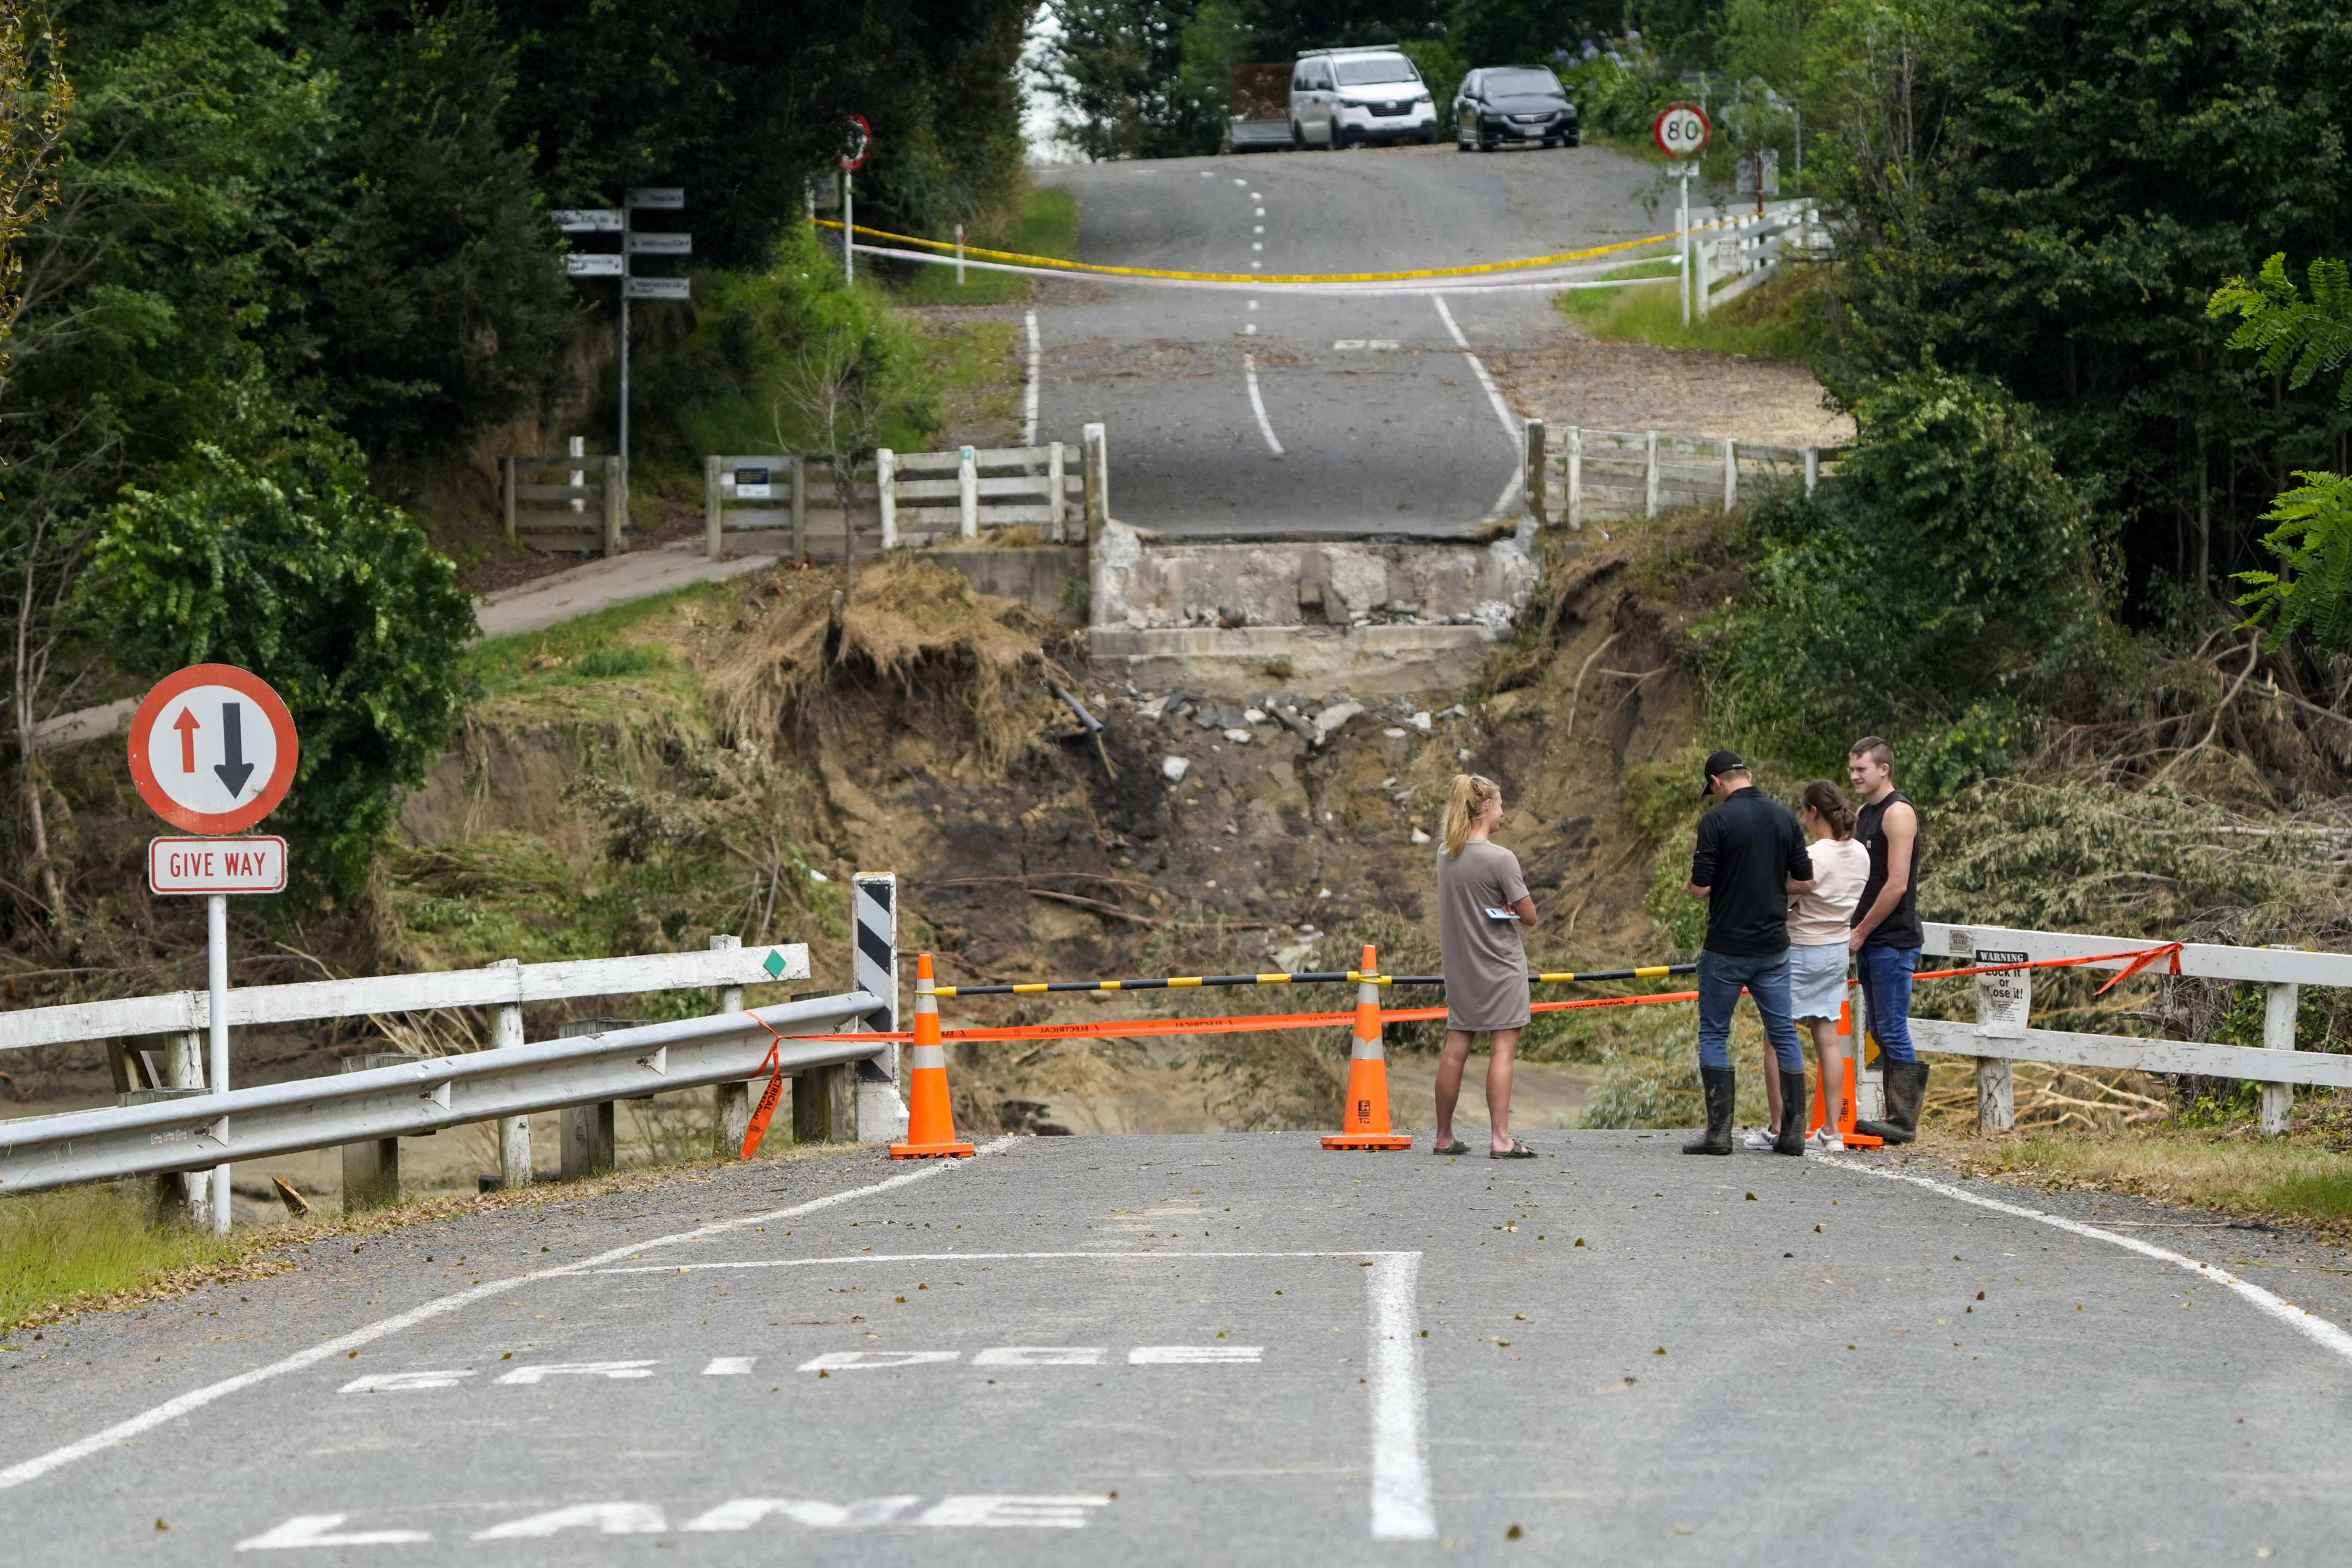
(622, 220)
(213, 751)
(1682, 131)
(854, 148)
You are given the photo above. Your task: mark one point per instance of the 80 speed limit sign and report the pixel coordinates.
(1682, 131)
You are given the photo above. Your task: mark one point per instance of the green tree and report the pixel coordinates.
(425, 296)
(1948, 572)
(289, 568)
(2044, 193)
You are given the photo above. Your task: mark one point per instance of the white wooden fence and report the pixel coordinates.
(1751, 251)
(1575, 474)
(585, 509)
(911, 499)
(2001, 1035)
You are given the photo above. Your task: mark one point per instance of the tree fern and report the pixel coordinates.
(2312, 592)
(2299, 337)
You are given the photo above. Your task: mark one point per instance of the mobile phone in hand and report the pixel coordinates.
(1494, 914)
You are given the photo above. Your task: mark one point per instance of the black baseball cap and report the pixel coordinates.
(1720, 763)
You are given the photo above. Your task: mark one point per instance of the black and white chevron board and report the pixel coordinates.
(874, 962)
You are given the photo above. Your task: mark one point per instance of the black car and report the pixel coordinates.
(1525, 103)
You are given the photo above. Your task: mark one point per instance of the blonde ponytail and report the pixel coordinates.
(1466, 797)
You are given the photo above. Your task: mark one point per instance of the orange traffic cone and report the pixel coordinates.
(1364, 1122)
(930, 1118)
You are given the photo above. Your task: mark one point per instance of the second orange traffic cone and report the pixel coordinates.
(930, 1118)
(1364, 1123)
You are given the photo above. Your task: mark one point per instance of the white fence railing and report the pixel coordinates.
(1574, 474)
(910, 498)
(1748, 252)
(2001, 1034)
(204, 1131)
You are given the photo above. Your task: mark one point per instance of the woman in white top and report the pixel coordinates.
(1818, 929)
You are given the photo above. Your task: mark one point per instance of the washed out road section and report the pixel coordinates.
(1286, 414)
(1163, 1349)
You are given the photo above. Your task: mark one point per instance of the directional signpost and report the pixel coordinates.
(1682, 131)
(213, 751)
(622, 220)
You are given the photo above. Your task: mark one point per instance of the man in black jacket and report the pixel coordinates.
(1749, 857)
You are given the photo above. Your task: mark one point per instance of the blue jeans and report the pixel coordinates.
(1886, 990)
(1766, 978)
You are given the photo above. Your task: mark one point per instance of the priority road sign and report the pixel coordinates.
(254, 865)
(213, 749)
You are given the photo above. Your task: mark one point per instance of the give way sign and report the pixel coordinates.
(213, 749)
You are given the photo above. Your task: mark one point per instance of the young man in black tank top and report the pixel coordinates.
(1887, 935)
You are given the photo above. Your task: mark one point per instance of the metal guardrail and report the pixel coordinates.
(203, 1132)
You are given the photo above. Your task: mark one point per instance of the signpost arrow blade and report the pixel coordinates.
(233, 769)
(187, 724)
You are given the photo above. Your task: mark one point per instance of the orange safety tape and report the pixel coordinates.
(1134, 1029)
(2141, 958)
(773, 1093)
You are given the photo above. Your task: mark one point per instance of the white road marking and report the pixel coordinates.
(2318, 1328)
(1257, 404)
(1170, 1256)
(319, 1530)
(1493, 394)
(1029, 394)
(1244, 183)
(401, 1381)
(1040, 1355)
(608, 1518)
(343, 1344)
(527, 1375)
(852, 1361)
(1364, 343)
(1195, 1355)
(998, 1508)
(730, 1366)
(743, 1512)
(1401, 1507)
(1512, 429)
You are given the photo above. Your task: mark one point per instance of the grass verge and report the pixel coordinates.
(1045, 223)
(2299, 1181)
(1781, 320)
(594, 647)
(91, 1244)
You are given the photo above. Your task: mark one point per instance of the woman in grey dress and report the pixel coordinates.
(1481, 907)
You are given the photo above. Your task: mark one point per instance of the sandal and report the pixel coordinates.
(1517, 1151)
(1456, 1147)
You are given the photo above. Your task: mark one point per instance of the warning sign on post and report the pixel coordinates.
(213, 749)
(2004, 1001)
(256, 865)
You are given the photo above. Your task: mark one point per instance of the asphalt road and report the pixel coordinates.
(1233, 1348)
(1383, 424)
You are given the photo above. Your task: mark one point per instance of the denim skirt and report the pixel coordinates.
(1817, 985)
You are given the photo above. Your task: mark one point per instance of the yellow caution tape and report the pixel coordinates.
(1056, 264)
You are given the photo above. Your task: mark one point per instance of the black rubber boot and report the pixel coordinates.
(1722, 1086)
(1905, 1086)
(1793, 1114)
